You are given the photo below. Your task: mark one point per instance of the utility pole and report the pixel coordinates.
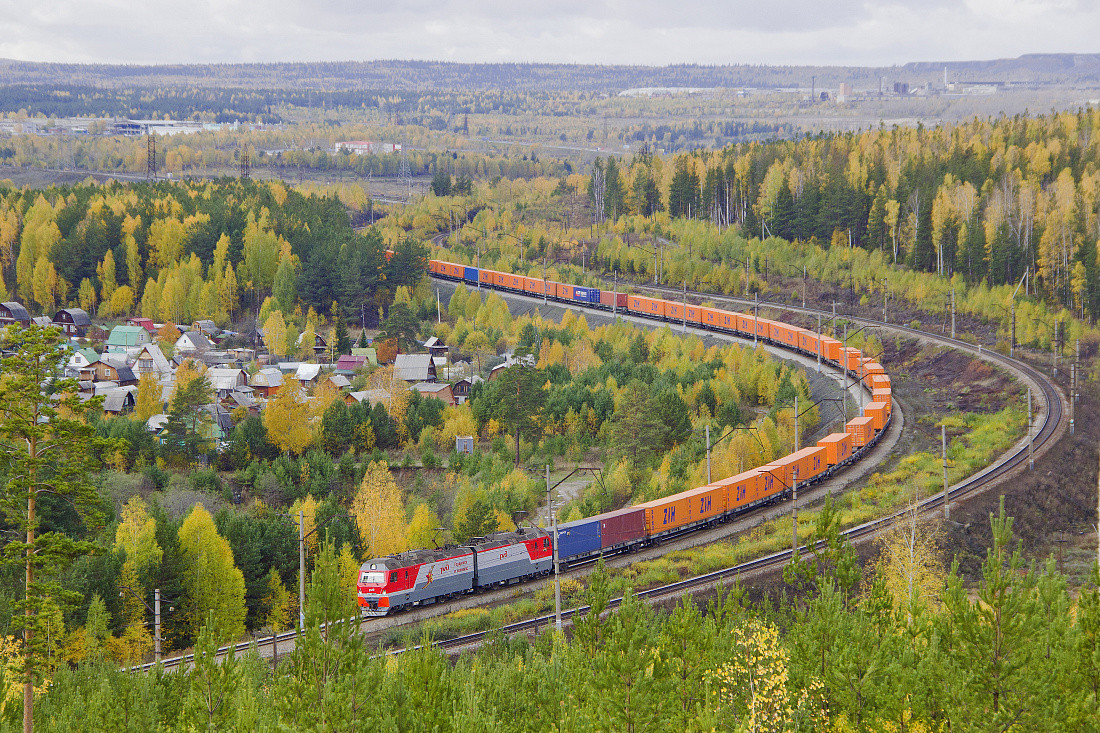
(1072, 395)
(794, 513)
(819, 336)
(1054, 350)
(1012, 344)
(803, 286)
(946, 504)
(614, 300)
(708, 454)
(1030, 454)
(796, 441)
(156, 625)
(952, 312)
(844, 371)
(685, 306)
(755, 319)
(554, 529)
(885, 295)
(302, 570)
(438, 311)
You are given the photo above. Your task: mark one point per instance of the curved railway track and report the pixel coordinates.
(1051, 425)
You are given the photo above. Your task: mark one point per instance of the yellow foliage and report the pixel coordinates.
(422, 528)
(287, 419)
(380, 512)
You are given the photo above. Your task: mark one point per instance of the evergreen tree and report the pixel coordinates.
(47, 450)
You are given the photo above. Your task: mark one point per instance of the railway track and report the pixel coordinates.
(1051, 425)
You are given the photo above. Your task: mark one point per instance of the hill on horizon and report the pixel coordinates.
(1067, 68)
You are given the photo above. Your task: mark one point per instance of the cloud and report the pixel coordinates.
(863, 32)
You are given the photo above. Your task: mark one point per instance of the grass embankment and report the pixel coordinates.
(986, 436)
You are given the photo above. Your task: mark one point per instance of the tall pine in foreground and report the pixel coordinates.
(49, 452)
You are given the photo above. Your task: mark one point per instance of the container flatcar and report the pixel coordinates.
(742, 489)
(612, 300)
(579, 538)
(721, 320)
(586, 295)
(653, 307)
(862, 430)
(838, 448)
(879, 414)
(621, 528)
(830, 349)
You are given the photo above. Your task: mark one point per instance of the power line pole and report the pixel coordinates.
(554, 529)
(708, 454)
(156, 625)
(952, 312)
(819, 336)
(946, 504)
(150, 155)
(1030, 454)
(794, 513)
(685, 306)
(302, 570)
(755, 319)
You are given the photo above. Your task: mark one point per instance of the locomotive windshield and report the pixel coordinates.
(373, 578)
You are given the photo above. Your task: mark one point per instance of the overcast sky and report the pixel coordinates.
(657, 32)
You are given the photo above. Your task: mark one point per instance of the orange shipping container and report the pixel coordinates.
(706, 502)
(807, 341)
(764, 328)
(872, 368)
(852, 357)
(878, 412)
(862, 430)
(883, 395)
(486, 276)
(880, 381)
(786, 335)
(663, 515)
(745, 323)
(674, 311)
(647, 306)
(830, 349)
(742, 489)
(715, 318)
(769, 487)
(838, 447)
(565, 292)
(694, 314)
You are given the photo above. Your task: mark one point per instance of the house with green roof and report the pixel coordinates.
(127, 337)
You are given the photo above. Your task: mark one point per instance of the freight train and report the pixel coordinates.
(420, 577)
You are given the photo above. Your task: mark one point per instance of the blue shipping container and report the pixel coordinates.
(578, 538)
(470, 274)
(587, 295)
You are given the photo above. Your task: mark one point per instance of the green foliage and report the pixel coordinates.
(47, 498)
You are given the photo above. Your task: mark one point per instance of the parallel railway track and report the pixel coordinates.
(1051, 425)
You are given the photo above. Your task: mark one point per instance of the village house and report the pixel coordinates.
(437, 390)
(193, 343)
(414, 368)
(123, 338)
(12, 312)
(72, 321)
(266, 382)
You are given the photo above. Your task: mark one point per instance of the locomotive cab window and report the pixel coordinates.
(546, 543)
(373, 578)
